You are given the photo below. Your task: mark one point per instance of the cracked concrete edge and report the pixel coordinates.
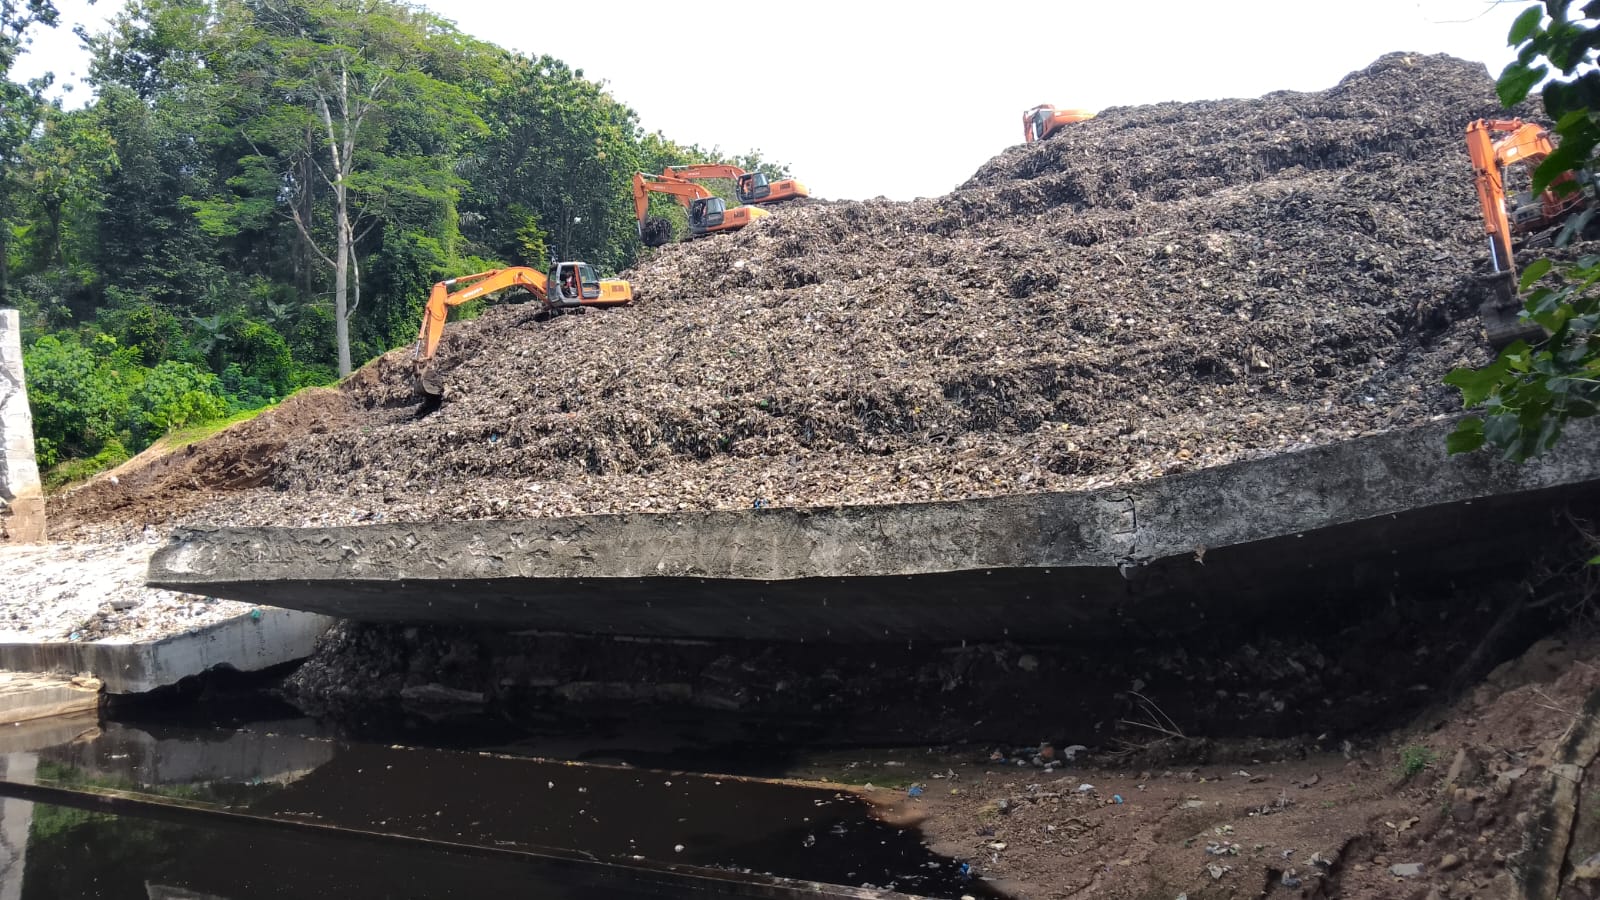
(1240, 503)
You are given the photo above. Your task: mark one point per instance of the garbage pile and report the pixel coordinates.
(1158, 289)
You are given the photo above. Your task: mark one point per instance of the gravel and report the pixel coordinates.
(95, 592)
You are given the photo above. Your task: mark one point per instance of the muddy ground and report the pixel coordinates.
(1159, 288)
(1450, 807)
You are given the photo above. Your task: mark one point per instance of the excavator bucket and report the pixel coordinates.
(430, 383)
(1500, 313)
(655, 231)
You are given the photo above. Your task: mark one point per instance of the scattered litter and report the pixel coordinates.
(779, 379)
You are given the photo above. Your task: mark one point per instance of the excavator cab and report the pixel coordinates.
(1037, 121)
(706, 213)
(573, 283)
(753, 186)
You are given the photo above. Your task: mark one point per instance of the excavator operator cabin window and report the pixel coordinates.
(590, 281)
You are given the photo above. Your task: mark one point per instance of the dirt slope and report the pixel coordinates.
(1159, 288)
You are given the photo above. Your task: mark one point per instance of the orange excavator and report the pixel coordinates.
(707, 214)
(1044, 120)
(1496, 145)
(576, 285)
(749, 187)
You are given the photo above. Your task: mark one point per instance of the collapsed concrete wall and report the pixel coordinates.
(21, 497)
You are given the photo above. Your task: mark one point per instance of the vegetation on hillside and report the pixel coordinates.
(261, 192)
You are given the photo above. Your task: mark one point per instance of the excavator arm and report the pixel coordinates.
(686, 173)
(456, 291)
(1494, 145)
(644, 185)
(1527, 144)
(751, 187)
(1491, 193)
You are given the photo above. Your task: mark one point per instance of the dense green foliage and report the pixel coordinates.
(1531, 390)
(183, 246)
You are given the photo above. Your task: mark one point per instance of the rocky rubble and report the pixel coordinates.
(1157, 289)
(90, 592)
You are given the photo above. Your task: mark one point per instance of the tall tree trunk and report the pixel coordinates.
(305, 264)
(341, 282)
(5, 260)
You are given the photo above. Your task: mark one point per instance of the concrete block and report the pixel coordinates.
(246, 643)
(1369, 514)
(25, 696)
(21, 496)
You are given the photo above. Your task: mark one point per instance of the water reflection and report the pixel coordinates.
(273, 813)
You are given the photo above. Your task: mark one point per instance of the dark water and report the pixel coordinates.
(395, 821)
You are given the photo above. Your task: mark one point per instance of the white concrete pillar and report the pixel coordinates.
(21, 498)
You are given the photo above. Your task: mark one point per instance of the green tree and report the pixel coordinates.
(1531, 390)
(339, 73)
(552, 177)
(65, 164)
(21, 106)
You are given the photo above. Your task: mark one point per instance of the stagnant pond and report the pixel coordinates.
(152, 805)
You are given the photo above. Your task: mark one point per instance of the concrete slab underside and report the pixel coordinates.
(1379, 513)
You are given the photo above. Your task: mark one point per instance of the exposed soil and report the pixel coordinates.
(1457, 806)
(1159, 288)
(151, 490)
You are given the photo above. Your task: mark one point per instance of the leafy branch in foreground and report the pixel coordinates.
(1531, 390)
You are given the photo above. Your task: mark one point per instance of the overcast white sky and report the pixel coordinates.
(907, 100)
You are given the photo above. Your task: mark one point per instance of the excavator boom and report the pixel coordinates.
(752, 187)
(644, 185)
(1507, 215)
(446, 294)
(575, 285)
(687, 173)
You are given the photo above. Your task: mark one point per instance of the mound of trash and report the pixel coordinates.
(1157, 289)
